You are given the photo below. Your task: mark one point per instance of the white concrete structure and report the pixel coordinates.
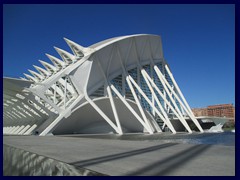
(119, 85)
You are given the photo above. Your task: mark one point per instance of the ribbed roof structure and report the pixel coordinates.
(120, 85)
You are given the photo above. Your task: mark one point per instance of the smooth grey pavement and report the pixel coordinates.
(125, 157)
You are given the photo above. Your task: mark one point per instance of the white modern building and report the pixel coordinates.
(120, 85)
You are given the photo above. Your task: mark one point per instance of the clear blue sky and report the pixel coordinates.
(198, 40)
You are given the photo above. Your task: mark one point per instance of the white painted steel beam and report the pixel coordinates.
(31, 129)
(176, 112)
(184, 100)
(179, 100)
(15, 129)
(100, 112)
(125, 74)
(128, 106)
(109, 92)
(19, 129)
(166, 119)
(24, 129)
(150, 103)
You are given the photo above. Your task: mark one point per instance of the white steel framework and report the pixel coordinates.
(119, 85)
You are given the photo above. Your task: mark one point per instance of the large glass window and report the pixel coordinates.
(146, 90)
(117, 82)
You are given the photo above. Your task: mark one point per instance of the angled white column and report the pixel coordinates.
(30, 129)
(176, 112)
(114, 110)
(19, 129)
(13, 129)
(166, 119)
(182, 119)
(65, 93)
(150, 129)
(13, 132)
(177, 88)
(24, 129)
(109, 92)
(150, 103)
(9, 129)
(189, 111)
(100, 112)
(148, 125)
(179, 100)
(154, 97)
(128, 106)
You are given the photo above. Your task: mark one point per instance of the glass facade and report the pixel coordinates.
(117, 82)
(145, 89)
(135, 73)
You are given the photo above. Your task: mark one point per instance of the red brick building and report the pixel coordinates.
(220, 110)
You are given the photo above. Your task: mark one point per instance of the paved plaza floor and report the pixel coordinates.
(132, 157)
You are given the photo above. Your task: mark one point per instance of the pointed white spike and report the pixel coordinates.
(44, 72)
(57, 62)
(50, 68)
(68, 41)
(30, 77)
(38, 76)
(77, 49)
(22, 78)
(66, 56)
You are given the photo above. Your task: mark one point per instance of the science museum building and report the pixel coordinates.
(119, 85)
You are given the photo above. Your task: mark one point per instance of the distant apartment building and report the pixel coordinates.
(219, 110)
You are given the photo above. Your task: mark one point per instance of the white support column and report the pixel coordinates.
(156, 125)
(165, 105)
(150, 103)
(119, 131)
(19, 129)
(114, 110)
(55, 91)
(65, 92)
(149, 129)
(100, 111)
(166, 119)
(24, 129)
(13, 132)
(128, 106)
(181, 103)
(153, 101)
(16, 129)
(183, 98)
(177, 88)
(30, 129)
(8, 129)
(123, 86)
(5, 130)
(59, 118)
(12, 129)
(40, 93)
(178, 113)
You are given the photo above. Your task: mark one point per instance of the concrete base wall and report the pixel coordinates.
(18, 162)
